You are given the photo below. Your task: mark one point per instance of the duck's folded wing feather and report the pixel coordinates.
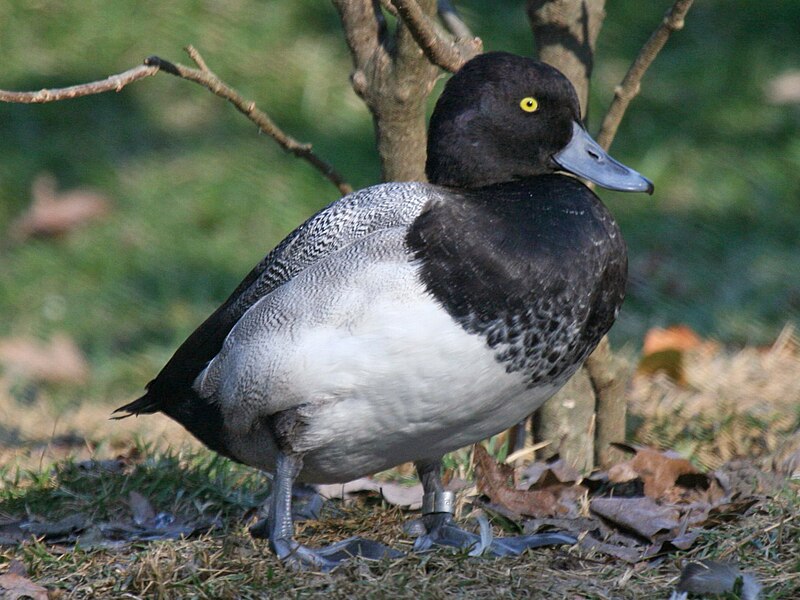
(334, 227)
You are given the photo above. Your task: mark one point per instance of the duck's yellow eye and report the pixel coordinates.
(529, 104)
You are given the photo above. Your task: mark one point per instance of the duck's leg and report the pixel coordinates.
(517, 437)
(441, 530)
(281, 528)
(306, 506)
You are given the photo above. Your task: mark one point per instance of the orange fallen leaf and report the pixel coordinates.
(677, 337)
(665, 475)
(664, 349)
(18, 586)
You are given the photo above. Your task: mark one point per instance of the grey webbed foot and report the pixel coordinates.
(299, 557)
(442, 531)
(280, 528)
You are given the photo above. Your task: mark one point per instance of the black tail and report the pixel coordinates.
(201, 416)
(145, 405)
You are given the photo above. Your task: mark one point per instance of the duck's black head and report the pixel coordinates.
(504, 117)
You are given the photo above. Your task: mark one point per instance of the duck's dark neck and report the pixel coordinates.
(465, 157)
(536, 266)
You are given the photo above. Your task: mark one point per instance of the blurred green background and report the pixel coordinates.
(199, 197)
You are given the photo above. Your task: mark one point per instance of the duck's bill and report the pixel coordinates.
(585, 158)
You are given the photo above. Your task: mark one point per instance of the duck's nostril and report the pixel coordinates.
(593, 154)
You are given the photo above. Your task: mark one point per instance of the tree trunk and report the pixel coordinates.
(589, 413)
(394, 78)
(564, 34)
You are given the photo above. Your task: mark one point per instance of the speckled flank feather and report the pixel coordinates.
(341, 223)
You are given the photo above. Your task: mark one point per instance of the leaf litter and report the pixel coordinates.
(141, 522)
(666, 508)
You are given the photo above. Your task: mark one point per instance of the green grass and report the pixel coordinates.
(183, 483)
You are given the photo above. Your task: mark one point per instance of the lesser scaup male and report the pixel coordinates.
(407, 320)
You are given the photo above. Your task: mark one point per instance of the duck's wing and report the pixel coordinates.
(333, 228)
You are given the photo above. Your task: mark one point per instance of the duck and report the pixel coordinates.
(410, 319)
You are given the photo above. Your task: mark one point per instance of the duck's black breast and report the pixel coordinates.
(537, 266)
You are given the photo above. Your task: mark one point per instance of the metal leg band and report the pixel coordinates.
(438, 502)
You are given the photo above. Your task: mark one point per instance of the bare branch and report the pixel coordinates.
(205, 77)
(389, 7)
(112, 83)
(364, 28)
(565, 34)
(452, 20)
(629, 88)
(196, 58)
(448, 54)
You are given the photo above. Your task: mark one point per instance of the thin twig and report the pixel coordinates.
(113, 83)
(389, 7)
(447, 54)
(453, 21)
(625, 92)
(195, 56)
(523, 452)
(205, 77)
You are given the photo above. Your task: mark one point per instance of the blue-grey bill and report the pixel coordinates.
(585, 158)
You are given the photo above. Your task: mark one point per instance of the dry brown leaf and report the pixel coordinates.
(53, 213)
(665, 475)
(57, 361)
(494, 480)
(728, 511)
(399, 495)
(11, 534)
(625, 553)
(677, 337)
(641, 515)
(17, 586)
(541, 475)
(17, 568)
